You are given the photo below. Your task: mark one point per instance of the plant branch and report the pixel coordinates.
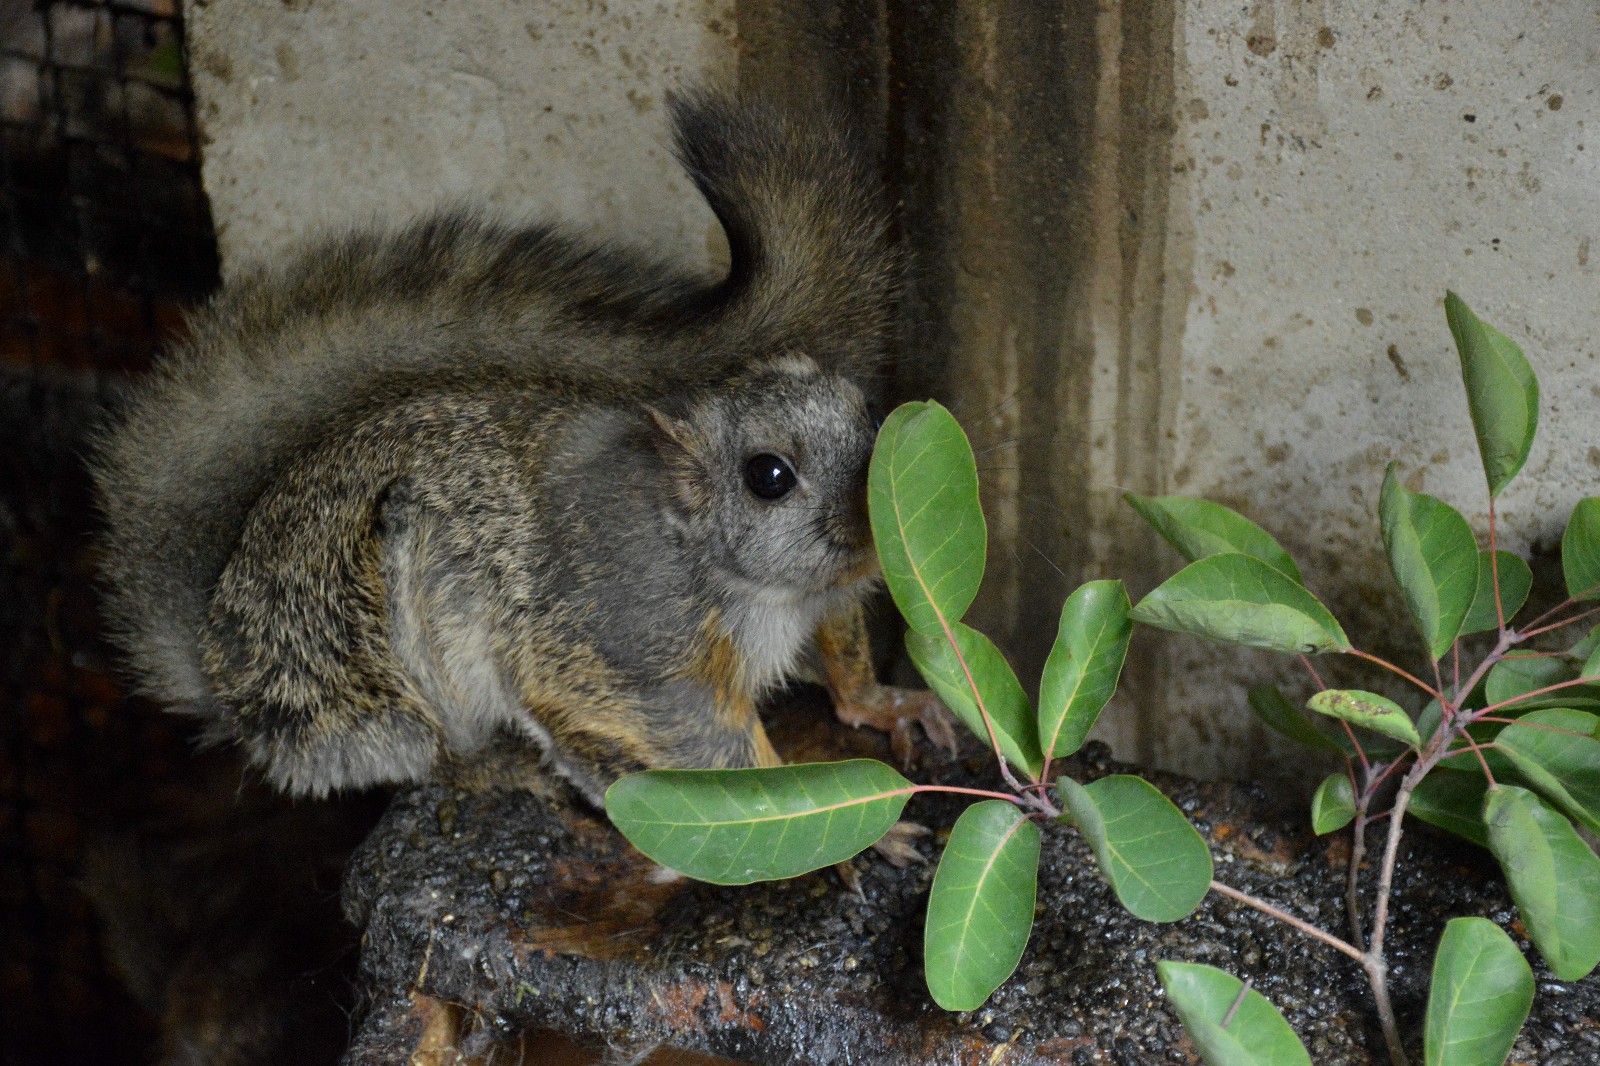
(1391, 667)
(1355, 742)
(1531, 725)
(1570, 601)
(1477, 750)
(1507, 639)
(1391, 850)
(1288, 919)
(1479, 715)
(916, 790)
(1583, 616)
(1376, 966)
(1358, 852)
(1305, 661)
(1378, 978)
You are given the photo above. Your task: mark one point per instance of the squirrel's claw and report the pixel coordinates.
(894, 710)
(897, 847)
(851, 878)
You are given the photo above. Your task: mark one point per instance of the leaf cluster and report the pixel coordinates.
(739, 826)
(1504, 752)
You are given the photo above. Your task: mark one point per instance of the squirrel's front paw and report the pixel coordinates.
(894, 711)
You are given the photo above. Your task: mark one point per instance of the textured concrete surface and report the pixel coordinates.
(1335, 167)
(319, 114)
(521, 914)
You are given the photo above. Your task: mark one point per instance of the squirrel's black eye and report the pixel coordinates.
(768, 476)
(875, 414)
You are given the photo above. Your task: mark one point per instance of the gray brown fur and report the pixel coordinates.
(408, 490)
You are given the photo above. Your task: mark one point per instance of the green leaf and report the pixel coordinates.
(1553, 876)
(1081, 673)
(1256, 1036)
(1515, 581)
(1586, 650)
(1563, 767)
(1003, 697)
(1502, 393)
(1433, 556)
(1333, 805)
(1368, 710)
(1238, 599)
(1274, 707)
(1511, 679)
(1591, 664)
(1479, 997)
(922, 495)
(1155, 862)
(1580, 550)
(1198, 528)
(980, 911)
(732, 827)
(1452, 800)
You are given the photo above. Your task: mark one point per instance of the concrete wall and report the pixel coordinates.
(319, 113)
(1171, 246)
(1336, 166)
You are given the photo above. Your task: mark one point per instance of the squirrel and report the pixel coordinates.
(410, 490)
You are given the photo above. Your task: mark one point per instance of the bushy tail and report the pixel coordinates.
(811, 267)
(290, 351)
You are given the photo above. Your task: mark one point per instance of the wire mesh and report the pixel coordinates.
(104, 234)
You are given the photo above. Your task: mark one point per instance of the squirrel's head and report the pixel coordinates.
(769, 475)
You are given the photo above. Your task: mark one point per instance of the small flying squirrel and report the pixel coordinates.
(410, 490)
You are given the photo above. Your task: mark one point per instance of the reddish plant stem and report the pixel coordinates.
(1355, 742)
(1478, 715)
(916, 790)
(1581, 617)
(1238, 1001)
(977, 698)
(1570, 601)
(1392, 668)
(1494, 570)
(1477, 750)
(1530, 725)
(1305, 661)
(1387, 770)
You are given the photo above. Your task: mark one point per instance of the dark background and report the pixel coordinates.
(155, 903)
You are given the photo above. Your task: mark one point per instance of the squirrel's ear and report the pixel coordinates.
(681, 447)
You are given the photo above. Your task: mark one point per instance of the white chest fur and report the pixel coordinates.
(771, 628)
